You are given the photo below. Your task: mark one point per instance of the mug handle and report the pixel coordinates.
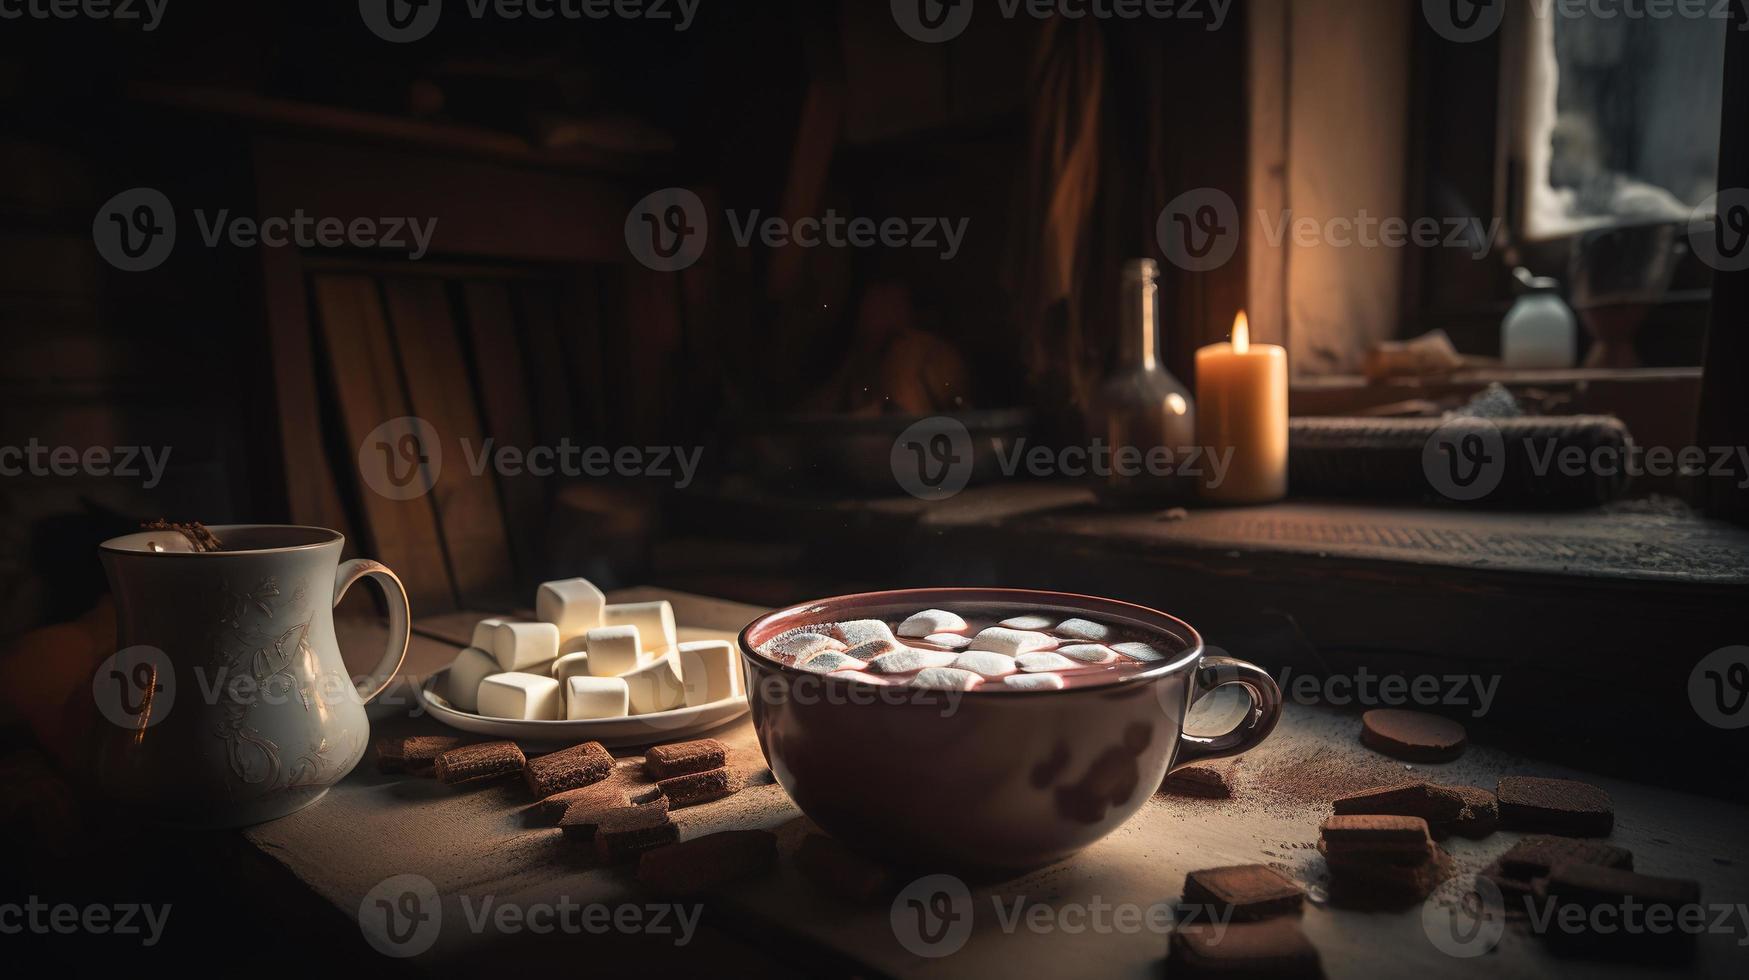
(400, 619)
(1212, 672)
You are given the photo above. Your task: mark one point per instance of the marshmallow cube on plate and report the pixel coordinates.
(654, 620)
(574, 605)
(596, 697)
(931, 621)
(518, 646)
(614, 650)
(483, 631)
(1028, 622)
(709, 670)
(656, 685)
(469, 668)
(524, 697)
(571, 665)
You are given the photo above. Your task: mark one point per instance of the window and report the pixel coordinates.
(1621, 118)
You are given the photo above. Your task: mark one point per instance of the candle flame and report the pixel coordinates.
(1241, 333)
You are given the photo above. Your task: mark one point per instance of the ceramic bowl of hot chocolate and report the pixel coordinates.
(983, 729)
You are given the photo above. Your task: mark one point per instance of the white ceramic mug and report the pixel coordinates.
(229, 701)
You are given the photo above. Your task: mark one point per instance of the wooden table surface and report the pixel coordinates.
(484, 843)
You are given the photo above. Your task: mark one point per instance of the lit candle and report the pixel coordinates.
(1241, 394)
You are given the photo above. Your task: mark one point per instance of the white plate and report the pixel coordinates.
(631, 730)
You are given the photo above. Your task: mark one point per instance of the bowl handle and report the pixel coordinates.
(1212, 672)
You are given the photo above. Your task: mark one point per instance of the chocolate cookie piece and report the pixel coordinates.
(1272, 948)
(1246, 891)
(1415, 736)
(1432, 803)
(1375, 839)
(1533, 857)
(685, 758)
(1480, 815)
(416, 754)
(585, 812)
(700, 787)
(624, 834)
(473, 763)
(1555, 806)
(704, 863)
(1203, 780)
(572, 768)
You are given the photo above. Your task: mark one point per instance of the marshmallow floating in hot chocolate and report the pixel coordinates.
(860, 631)
(828, 662)
(931, 621)
(946, 679)
(1012, 642)
(906, 660)
(794, 648)
(952, 641)
(1082, 629)
(1035, 682)
(985, 663)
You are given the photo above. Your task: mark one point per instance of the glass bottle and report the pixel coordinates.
(1539, 331)
(1144, 416)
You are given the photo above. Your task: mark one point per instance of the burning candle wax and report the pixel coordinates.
(1241, 392)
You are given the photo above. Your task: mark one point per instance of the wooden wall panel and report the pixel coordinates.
(440, 392)
(367, 386)
(500, 374)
